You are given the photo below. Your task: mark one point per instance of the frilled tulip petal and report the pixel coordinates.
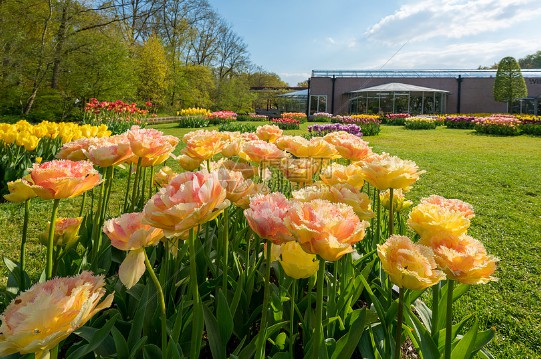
(132, 268)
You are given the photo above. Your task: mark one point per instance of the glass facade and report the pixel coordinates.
(397, 102)
(318, 103)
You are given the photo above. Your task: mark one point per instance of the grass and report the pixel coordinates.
(499, 176)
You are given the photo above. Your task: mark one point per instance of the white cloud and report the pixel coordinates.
(452, 19)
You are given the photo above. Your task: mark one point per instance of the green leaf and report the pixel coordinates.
(346, 345)
(483, 338)
(464, 348)
(138, 320)
(217, 346)
(95, 339)
(225, 318)
(428, 348)
(280, 341)
(120, 343)
(151, 351)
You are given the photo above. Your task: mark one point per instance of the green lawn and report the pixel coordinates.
(499, 176)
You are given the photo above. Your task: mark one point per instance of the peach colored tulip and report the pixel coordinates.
(455, 205)
(74, 150)
(19, 191)
(163, 176)
(359, 201)
(462, 258)
(296, 262)
(150, 143)
(266, 217)
(349, 146)
(188, 200)
(399, 201)
(299, 170)
(66, 232)
(319, 148)
(268, 133)
(428, 219)
(202, 145)
(188, 163)
(316, 191)
(259, 151)
(336, 173)
(409, 265)
(247, 170)
(296, 145)
(325, 228)
(386, 172)
(62, 178)
(149, 161)
(257, 188)
(128, 233)
(109, 151)
(38, 319)
(236, 186)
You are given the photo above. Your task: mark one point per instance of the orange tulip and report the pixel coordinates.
(259, 151)
(349, 146)
(429, 219)
(74, 150)
(66, 232)
(454, 205)
(268, 133)
(385, 172)
(325, 228)
(409, 265)
(188, 200)
(348, 194)
(62, 178)
(336, 173)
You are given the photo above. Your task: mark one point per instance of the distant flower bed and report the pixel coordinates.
(252, 117)
(118, 116)
(194, 111)
(531, 127)
(219, 117)
(395, 119)
(193, 122)
(236, 126)
(320, 117)
(322, 130)
(461, 122)
(420, 123)
(501, 125)
(369, 124)
(301, 117)
(285, 123)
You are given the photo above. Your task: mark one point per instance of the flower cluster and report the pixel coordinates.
(498, 125)
(320, 117)
(118, 115)
(458, 121)
(396, 119)
(194, 111)
(420, 123)
(222, 116)
(322, 130)
(369, 124)
(301, 117)
(286, 123)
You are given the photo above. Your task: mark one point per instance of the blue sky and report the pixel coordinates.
(294, 37)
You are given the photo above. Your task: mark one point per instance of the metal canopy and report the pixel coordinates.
(296, 94)
(398, 87)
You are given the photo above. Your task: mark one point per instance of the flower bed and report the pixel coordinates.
(531, 127)
(118, 116)
(395, 119)
(194, 112)
(320, 117)
(252, 117)
(299, 116)
(501, 125)
(187, 267)
(218, 117)
(322, 130)
(461, 122)
(193, 122)
(420, 123)
(369, 124)
(236, 126)
(285, 123)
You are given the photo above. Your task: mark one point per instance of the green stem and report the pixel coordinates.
(136, 183)
(260, 348)
(197, 317)
(53, 353)
(292, 318)
(318, 329)
(151, 182)
(161, 302)
(96, 231)
(435, 307)
(391, 212)
(22, 261)
(226, 250)
(400, 315)
(126, 195)
(83, 202)
(449, 319)
(50, 242)
(378, 219)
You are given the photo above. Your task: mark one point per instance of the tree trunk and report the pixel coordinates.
(60, 40)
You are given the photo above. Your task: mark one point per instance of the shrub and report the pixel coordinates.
(500, 125)
(252, 117)
(236, 126)
(193, 122)
(531, 127)
(420, 123)
(285, 123)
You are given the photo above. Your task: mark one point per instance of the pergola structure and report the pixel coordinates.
(396, 98)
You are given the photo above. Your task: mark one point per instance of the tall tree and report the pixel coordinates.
(532, 61)
(509, 84)
(152, 68)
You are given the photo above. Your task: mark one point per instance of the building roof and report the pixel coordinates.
(526, 73)
(295, 94)
(398, 87)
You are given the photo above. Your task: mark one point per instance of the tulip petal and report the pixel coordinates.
(132, 268)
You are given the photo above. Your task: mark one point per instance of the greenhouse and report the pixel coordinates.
(397, 98)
